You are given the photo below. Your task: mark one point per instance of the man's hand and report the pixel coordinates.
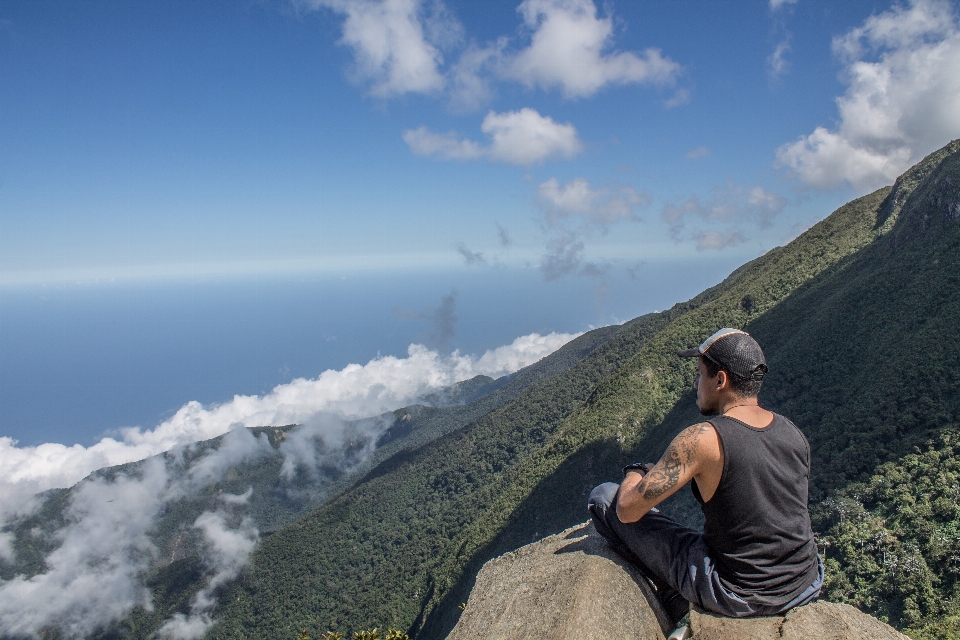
(683, 460)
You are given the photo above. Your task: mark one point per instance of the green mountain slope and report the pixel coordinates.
(274, 500)
(860, 321)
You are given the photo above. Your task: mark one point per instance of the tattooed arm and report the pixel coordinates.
(694, 453)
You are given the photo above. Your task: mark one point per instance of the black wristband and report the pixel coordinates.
(640, 466)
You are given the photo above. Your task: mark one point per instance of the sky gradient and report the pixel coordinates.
(199, 200)
(182, 139)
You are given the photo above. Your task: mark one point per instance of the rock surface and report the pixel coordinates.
(571, 585)
(819, 621)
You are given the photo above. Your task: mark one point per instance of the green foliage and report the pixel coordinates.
(272, 503)
(849, 314)
(860, 320)
(892, 543)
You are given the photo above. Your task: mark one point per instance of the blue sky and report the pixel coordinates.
(171, 139)
(221, 214)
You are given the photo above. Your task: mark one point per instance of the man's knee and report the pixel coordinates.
(603, 495)
(602, 498)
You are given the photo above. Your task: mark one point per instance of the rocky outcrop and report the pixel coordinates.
(819, 621)
(571, 585)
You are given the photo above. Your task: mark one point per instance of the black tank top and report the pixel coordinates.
(757, 525)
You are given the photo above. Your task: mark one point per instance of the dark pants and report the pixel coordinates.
(677, 556)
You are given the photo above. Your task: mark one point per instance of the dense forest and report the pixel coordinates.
(860, 317)
(860, 321)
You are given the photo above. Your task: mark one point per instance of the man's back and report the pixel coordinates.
(757, 526)
(756, 555)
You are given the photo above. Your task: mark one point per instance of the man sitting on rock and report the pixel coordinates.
(750, 468)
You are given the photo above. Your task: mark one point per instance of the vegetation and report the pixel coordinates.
(860, 320)
(892, 543)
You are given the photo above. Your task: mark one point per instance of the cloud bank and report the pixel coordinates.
(93, 577)
(902, 71)
(356, 391)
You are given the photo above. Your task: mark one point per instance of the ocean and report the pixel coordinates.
(79, 361)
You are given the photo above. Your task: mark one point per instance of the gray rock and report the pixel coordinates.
(819, 621)
(572, 585)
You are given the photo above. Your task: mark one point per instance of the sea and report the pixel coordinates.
(81, 360)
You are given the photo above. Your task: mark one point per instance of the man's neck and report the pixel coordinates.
(747, 410)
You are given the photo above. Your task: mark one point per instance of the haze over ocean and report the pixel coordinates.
(78, 361)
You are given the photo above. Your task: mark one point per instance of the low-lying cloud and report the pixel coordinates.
(227, 550)
(521, 137)
(356, 391)
(902, 99)
(93, 577)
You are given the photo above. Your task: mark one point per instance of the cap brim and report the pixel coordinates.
(689, 353)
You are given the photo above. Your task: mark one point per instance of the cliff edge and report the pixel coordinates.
(571, 585)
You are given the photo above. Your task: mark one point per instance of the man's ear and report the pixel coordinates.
(722, 380)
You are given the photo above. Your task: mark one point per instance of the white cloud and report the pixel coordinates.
(92, 578)
(899, 105)
(355, 391)
(390, 46)
(777, 61)
(569, 50)
(424, 142)
(6, 546)
(228, 549)
(681, 96)
(574, 212)
(521, 137)
(729, 204)
(776, 4)
(699, 152)
(525, 137)
(398, 47)
(717, 240)
(470, 82)
(597, 207)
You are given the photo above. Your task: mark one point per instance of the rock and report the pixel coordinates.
(572, 585)
(829, 621)
(819, 620)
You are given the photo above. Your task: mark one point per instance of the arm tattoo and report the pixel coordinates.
(679, 455)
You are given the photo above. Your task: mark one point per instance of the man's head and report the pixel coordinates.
(731, 362)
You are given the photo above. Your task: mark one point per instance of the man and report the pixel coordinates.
(749, 469)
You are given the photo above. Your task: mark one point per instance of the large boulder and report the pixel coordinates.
(572, 585)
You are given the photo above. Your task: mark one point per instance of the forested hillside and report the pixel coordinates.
(860, 319)
(251, 463)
